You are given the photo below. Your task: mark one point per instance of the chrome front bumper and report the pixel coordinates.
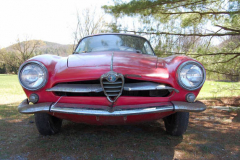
(176, 106)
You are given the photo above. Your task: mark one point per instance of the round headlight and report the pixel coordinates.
(191, 75)
(33, 75)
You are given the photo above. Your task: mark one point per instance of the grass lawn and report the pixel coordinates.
(213, 89)
(10, 89)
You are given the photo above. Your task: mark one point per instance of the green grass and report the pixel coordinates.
(213, 89)
(10, 89)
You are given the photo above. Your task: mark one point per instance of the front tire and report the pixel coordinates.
(177, 123)
(47, 124)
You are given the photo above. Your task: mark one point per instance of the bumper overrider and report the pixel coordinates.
(97, 110)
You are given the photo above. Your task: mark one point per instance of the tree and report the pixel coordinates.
(89, 22)
(189, 27)
(26, 49)
(222, 13)
(13, 56)
(8, 62)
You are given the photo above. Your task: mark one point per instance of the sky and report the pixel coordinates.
(48, 20)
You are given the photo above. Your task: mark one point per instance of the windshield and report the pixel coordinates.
(114, 43)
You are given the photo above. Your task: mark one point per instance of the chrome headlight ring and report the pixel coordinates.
(191, 75)
(33, 75)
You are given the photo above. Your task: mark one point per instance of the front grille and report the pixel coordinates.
(160, 93)
(112, 89)
(112, 84)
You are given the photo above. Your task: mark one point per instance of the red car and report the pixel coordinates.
(111, 79)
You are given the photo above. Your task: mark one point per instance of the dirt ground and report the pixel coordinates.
(223, 101)
(212, 134)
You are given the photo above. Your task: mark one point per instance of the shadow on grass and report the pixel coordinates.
(217, 133)
(20, 139)
(222, 101)
(237, 117)
(212, 134)
(8, 110)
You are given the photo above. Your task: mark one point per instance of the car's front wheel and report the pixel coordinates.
(47, 124)
(177, 123)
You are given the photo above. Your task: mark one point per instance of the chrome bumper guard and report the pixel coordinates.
(176, 106)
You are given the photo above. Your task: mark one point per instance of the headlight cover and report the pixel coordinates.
(191, 75)
(33, 75)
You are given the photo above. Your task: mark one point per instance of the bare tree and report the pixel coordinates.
(89, 22)
(26, 49)
(8, 61)
(13, 56)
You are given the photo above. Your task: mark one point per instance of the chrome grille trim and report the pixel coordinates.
(87, 88)
(76, 88)
(112, 94)
(119, 86)
(112, 89)
(144, 86)
(117, 82)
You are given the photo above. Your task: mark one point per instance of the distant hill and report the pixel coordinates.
(51, 48)
(56, 49)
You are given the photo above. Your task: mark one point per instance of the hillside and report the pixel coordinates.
(50, 48)
(56, 49)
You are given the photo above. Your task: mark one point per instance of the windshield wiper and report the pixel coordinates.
(81, 52)
(138, 51)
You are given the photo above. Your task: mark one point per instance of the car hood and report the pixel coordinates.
(91, 66)
(123, 59)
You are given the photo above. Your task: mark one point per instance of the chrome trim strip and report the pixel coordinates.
(76, 88)
(142, 86)
(189, 107)
(115, 113)
(97, 110)
(25, 108)
(86, 88)
(111, 67)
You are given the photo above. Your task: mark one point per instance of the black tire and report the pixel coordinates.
(177, 123)
(47, 124)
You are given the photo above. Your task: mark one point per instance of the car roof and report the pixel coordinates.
(114, 34)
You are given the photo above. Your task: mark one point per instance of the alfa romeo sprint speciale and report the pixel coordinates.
(111, 79)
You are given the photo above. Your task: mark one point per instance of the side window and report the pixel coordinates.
(148, 48)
